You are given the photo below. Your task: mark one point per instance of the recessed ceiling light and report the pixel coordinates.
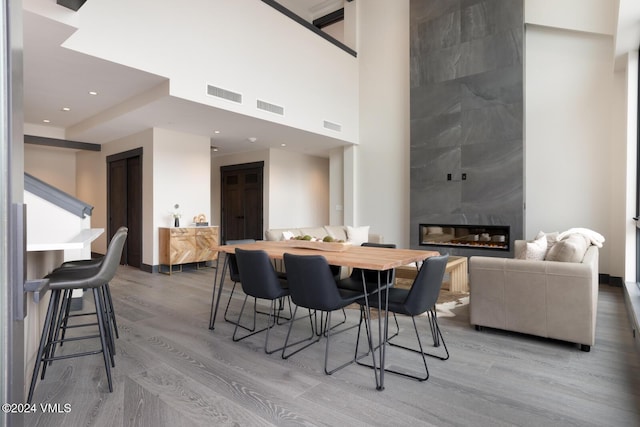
(252, 139)
(216, 131)
(283, 145)
(47, 121)
(214, 148)
(66, 109)
(93, 92)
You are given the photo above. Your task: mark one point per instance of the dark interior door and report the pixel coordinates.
(124, 202)
(242, 195)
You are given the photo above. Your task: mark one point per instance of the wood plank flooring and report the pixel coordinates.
(171, 370)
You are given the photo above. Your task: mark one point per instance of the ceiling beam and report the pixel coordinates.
(71, 4)
(330, 18)
(61, 143)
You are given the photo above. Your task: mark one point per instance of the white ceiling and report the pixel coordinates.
(55, 77)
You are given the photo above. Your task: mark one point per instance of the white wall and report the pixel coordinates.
(568, 101)
(55, 166)
(298, 190)
(336, 186)
(181, 175)
(272, 57)
(593, 16)
(381, 174)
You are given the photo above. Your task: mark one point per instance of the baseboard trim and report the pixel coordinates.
(149, 268)
(605, 279)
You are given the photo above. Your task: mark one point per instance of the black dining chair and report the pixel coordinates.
(354, 281)
(419, 299)
(312, 286)
(90, 279)
(234, 275)
(259, 280)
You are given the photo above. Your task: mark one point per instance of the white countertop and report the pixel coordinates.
(79, 241)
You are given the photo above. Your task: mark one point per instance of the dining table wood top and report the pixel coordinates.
(366, 257)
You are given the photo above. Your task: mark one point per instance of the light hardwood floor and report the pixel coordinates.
(171, 370)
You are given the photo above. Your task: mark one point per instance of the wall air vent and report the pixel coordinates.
(332, 126)
(224, 94)
(272, 108)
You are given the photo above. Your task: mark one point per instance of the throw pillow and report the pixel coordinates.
(570, 249)
(357, 235)
(552, 238)
(536, 250)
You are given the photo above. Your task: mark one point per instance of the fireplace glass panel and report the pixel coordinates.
(474, 236)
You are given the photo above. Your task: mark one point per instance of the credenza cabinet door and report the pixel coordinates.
(183, 245)
(206, 239)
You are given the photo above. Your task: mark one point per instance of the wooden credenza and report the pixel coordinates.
(182, 245)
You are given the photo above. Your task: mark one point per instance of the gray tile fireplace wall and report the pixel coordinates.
(467, 115)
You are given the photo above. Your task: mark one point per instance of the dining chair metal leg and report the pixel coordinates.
(438, 338)
(286, 341)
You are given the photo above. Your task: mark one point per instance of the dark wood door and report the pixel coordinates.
(124, 202)
(242, 207)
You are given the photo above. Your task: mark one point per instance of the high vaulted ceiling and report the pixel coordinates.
(56, 78)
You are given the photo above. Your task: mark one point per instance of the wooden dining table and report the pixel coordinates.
(363, 257)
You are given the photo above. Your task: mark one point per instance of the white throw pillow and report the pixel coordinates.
(358, 235)
(552, 238)
(534, 250)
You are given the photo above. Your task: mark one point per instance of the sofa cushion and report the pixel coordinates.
(534, 250)
(276, 234)
(358, 235)
(569, 249)
(338, 232)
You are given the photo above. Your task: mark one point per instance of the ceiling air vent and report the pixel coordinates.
(272, 108)
(332, 126)
(224, 94)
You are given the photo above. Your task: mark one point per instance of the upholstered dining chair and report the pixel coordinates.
(354, 281)
(91, 279)
(420, 299)
(260, 281)
(234, 275)
(312, 286)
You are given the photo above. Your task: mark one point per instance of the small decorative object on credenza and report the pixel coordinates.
(200, 220)
(176, 215)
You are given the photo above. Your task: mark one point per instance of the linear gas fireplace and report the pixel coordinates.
(471, 236)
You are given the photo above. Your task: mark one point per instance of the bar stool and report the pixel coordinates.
(82, 268)
(90, 279)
